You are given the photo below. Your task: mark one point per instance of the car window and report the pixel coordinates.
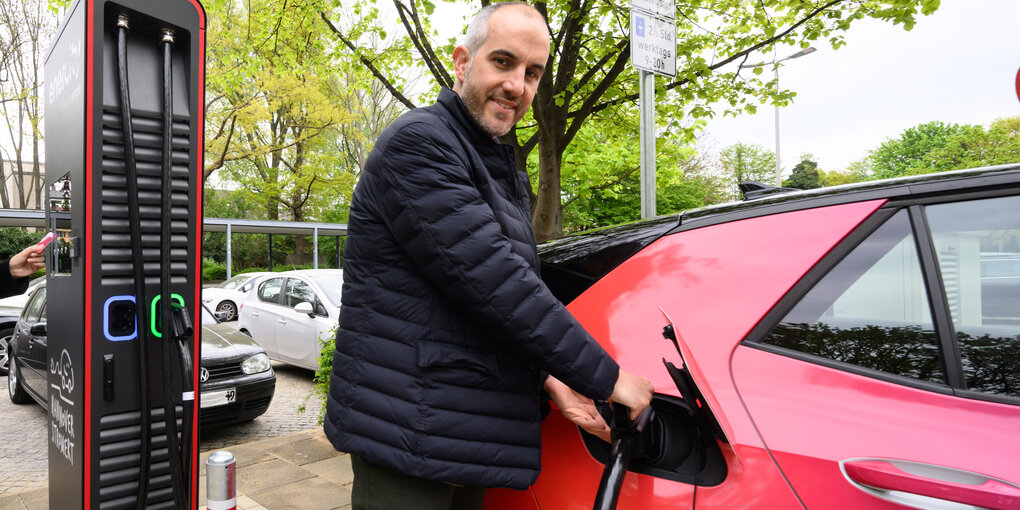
(871, 310)
(977, 243)
(234, 282)
(298, 291)
(35, 308)
(270, 290)
(330, 284)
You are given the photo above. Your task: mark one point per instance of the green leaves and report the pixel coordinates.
(938, 147)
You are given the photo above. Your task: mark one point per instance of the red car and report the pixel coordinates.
(845, 348)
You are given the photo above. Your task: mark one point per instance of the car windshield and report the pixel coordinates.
(330, 284)
(234, 282)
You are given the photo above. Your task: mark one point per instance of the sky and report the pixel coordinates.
(958, 65)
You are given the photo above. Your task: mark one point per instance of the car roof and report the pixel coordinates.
(975, 179)
(571, 263)
(312, 272)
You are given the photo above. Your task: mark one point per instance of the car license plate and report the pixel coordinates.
(218, 398)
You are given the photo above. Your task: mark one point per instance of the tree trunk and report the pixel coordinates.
(547, 218)
(37, 179)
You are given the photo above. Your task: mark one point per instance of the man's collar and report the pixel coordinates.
(458, 110)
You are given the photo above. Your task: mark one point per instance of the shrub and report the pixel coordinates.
(213, 271)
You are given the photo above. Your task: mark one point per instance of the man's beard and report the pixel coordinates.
(475, 101)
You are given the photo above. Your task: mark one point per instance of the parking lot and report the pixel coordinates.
(23, 461)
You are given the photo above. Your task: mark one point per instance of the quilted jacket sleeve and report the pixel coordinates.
(452, 235)
(9, 286)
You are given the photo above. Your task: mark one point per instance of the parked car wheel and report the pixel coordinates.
(229, 309)
(5, 350)
(14, 389)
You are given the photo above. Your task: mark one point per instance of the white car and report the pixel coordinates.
(226, 296)
(290, 314)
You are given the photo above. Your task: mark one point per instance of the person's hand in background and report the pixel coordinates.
(28, 261)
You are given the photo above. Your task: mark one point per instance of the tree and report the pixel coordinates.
(938, 147)
(27, 26)
(601, 170)
(977, 147)
(588, 73)
(748, 162)
(276, 111)
(805, 175)
(836, 178)
(908, 154)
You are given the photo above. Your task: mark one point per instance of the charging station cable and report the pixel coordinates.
(141, 318)
(170, 336)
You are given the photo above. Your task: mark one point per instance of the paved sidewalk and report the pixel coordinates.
(296, 471)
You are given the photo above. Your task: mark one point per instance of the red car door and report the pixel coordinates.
(895, 381)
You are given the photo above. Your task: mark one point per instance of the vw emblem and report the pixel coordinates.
(203, 375)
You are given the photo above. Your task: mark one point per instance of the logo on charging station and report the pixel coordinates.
(62, 419)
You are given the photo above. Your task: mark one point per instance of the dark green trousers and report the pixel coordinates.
(379, 488)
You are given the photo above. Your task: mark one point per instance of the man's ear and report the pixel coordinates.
(461, 59)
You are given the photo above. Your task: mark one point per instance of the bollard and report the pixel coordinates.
(220, 493)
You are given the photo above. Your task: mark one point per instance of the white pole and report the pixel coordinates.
(779, 176)
(646, 104)
(228, 251)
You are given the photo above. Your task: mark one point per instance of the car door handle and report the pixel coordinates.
(937, 482)
(254, 314)
(282, 321)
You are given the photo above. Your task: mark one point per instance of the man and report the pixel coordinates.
(446, 331)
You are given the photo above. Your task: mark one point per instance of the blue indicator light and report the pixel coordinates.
(119, 323)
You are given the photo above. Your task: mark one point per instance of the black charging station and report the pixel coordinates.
(123, 115)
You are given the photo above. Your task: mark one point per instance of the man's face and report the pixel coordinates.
(498, 82)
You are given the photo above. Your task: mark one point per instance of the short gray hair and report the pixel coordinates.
(478, 29)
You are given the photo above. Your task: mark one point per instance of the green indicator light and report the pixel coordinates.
(155, 303)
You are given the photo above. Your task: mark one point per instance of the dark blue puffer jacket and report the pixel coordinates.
(445, 327)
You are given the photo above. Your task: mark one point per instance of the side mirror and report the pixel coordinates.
(38, 329)
(304, 307)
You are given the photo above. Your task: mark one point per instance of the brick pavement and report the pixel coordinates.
(23, 461)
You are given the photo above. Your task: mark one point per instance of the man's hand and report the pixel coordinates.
(577, 408)
(27, 262)
(632, 391)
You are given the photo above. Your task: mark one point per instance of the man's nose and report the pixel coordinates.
(514, 84)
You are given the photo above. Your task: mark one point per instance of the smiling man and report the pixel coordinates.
(447, 334)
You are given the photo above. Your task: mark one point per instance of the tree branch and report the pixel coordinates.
(619, 178)
(420, 41)
(587, 108)
(582, 114)
(368, 63)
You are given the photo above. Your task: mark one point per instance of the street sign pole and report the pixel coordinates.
(652, 51)
(646, 104)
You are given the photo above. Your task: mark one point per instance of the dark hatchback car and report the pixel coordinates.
(237, 382)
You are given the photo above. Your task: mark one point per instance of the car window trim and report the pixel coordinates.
(937, 299)
(940, 315)
(870, 373)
